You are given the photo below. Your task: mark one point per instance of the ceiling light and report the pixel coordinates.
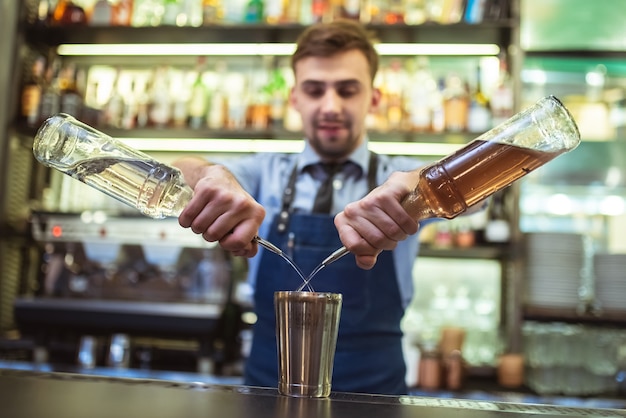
(230, 145)
(272, 49)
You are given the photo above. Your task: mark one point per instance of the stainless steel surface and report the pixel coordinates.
(104, 316)
(268, 245)
(28, 394)
(306, 327)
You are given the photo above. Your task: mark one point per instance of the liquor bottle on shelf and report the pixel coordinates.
(71, 101)
(180, 100)
(130, 106)
(479, 113)
(236, 85)
(68, 13)
(122, 13)
(147, 12)
(456, 104)
(197, 108)
(438, 116)
(376, 11)
(278, 97)
(350, 9)
(319, 10)
(305, 17)
(101, 13)
(211, 12)
(160, 112)
(42, 16)
(218, 107)
(50, 97)
(273, 11)
(497, 229)
(293, 10)
(171, 12)
(191, 13)
(474, 11)
(115, 104)
(254, 11)
(395, 12)
(143, 104)
(502, 99)
(31, 92)
(396, 83)
(421, 88)
(415, 12)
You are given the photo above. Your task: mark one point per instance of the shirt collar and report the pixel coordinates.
(359, 157)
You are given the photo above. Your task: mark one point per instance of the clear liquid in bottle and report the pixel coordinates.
(106, 164)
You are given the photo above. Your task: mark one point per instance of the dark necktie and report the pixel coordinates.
(324, 198)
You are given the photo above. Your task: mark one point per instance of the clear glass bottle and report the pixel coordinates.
(110, 166)
(101, 13)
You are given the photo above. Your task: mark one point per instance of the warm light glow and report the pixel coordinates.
(251, 49)
(57, 231)
(437, 49)
(559, 204)
(612, 205)
(277, 145)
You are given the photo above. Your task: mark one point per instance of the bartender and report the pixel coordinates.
(335, 192)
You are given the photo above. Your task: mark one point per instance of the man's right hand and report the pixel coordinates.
(221, 210)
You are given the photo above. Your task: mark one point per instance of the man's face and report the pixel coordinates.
(333, 96)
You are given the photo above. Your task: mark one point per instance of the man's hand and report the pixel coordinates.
(221, 210)
(378, 221)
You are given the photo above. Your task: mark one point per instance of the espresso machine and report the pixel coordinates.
(109, 285)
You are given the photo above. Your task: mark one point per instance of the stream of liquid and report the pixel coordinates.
(271, 247)
(306, 282)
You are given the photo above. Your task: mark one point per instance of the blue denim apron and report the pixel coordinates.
(369, 356)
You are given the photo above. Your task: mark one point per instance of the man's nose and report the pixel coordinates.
(331, 102)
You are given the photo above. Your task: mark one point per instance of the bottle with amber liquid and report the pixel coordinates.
(494, 160)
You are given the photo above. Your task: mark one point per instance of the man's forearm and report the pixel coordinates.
(193, 168)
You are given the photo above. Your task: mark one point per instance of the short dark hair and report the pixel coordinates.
(328, 39)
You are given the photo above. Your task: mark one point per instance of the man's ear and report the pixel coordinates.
(292, 97)
(376, 97)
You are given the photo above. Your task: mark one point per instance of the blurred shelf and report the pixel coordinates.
(571, 315)
(269, 140)
(476, 252)
(487, 32)
(576, 53)
(270, 133)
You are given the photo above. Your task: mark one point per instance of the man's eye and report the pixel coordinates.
(347, 91)
(314, 92)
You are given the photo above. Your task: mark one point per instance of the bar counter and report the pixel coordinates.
(32, 394)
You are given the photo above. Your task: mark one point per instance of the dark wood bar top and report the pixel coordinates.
(33, 394)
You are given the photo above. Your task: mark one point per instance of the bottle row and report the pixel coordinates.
(209, 12)
(415, 97)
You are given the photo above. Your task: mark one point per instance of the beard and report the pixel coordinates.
(333, 146)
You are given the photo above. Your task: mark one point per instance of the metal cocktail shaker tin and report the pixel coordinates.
(306, 334)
